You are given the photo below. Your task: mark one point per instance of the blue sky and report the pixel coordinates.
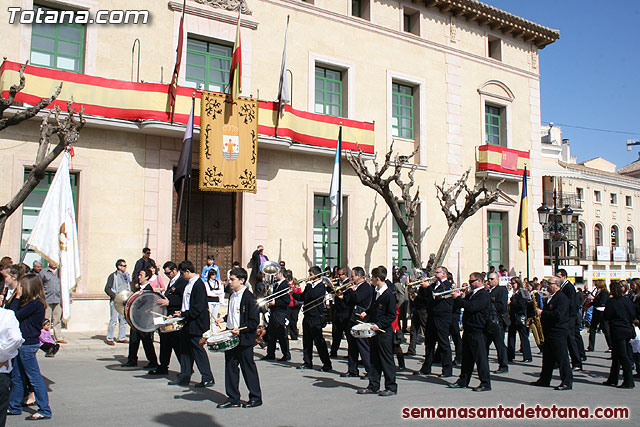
(590, 77)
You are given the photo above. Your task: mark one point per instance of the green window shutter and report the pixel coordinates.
(356, 8)
(402, 111)
(58, 46)
(399, 249)
(494, 236)
(208, 64)
(492, 117)
(325, 236)
(328, 96)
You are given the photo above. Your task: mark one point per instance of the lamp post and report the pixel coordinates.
(552, 222)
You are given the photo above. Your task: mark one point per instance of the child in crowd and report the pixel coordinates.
(635, 347)
(47, 343)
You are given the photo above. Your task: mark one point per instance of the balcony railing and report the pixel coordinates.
(563, 199)
(615, 254)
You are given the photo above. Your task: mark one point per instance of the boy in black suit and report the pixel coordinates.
(243, 313)
(382, 314)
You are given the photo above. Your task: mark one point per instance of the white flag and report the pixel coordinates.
(55, 234)
(283, 87)
(335, 191)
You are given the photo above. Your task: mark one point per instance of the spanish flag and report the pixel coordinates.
(235, 74)
(523, 220)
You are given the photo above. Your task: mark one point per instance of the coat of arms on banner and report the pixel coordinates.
(230, 142)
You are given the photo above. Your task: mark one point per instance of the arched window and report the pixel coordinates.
(581, 240)
(597, 235)
(630, 240)
(614, 236)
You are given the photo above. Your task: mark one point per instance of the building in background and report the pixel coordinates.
(458, 80)
(601, 243)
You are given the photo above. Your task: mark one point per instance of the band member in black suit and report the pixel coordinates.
(257, 258)
(173, 294)
(277, 328)
(620, 313)
(243, 313)
(315, 318)
(518, 318)
(576, 346)
(474, 342)
(420, 302)
(454, 329)
(438, 324)
(382, 313)
(136, 336)
(556, 322)
(195, 312)
(499, 299)
(358, 298)
(340, 315)
(598, 301)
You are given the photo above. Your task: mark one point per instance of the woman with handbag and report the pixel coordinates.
(518, 317)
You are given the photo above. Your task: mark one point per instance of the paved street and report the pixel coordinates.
(88, 387)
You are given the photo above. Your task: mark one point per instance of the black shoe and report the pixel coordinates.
(159, 371)
(623, 385)
(203, 384)
(284, 359)
(563, 387)
(349, 375)
(456, 385)
(130, 364)
(387, 393)
(252, 404)
(481, 388)
(610, 383)
(326, 368)
(457, 363)
(267, 357)
(588, 349)
(540, 384)
(333, 355)
(447, 375)
(410, 353)
(421, 373)
(179, 382)
(577, 368)
(366, 391)
(501, 370)
(527, 361)
(151, 366)
(304, 367)
(229, 404)
(583, 358)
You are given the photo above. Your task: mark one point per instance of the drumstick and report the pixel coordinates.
(380, 330)
(161, 315)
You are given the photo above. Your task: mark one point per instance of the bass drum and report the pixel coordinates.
(139, 310)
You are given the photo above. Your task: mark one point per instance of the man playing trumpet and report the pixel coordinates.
(277, 328)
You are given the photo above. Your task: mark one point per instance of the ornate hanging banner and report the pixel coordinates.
(228, 143)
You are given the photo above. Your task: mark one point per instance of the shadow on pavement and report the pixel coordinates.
(326, 382)
(183, 418)
(202, 395)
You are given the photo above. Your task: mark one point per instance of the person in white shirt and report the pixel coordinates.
(10, 341)
(215, 297)
(242, 321)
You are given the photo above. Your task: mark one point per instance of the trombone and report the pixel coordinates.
(266, 300)
(321, 299)
(306, 279)
(413, 286)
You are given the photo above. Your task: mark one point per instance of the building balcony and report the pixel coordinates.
(144, 107)
(496, 162)
(615, 254)
(564, 199)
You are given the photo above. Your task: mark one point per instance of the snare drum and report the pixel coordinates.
(223, 342)
(138, 310)
(172, 325)
(362, 330)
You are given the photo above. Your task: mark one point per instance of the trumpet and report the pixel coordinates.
(447, 294)
(321, 299)
(413, 286)
(306, 279)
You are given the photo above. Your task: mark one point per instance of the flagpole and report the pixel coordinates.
(340, 197)
(188, 180)
(526, 236)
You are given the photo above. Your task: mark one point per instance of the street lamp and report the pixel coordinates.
(552, 222)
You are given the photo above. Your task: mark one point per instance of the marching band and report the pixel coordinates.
(365, 309)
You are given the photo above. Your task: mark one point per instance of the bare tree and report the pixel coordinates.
(383, 186)
(474, 200)
(65, 128)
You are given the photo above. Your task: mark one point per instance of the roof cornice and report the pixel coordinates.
(496, 19)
